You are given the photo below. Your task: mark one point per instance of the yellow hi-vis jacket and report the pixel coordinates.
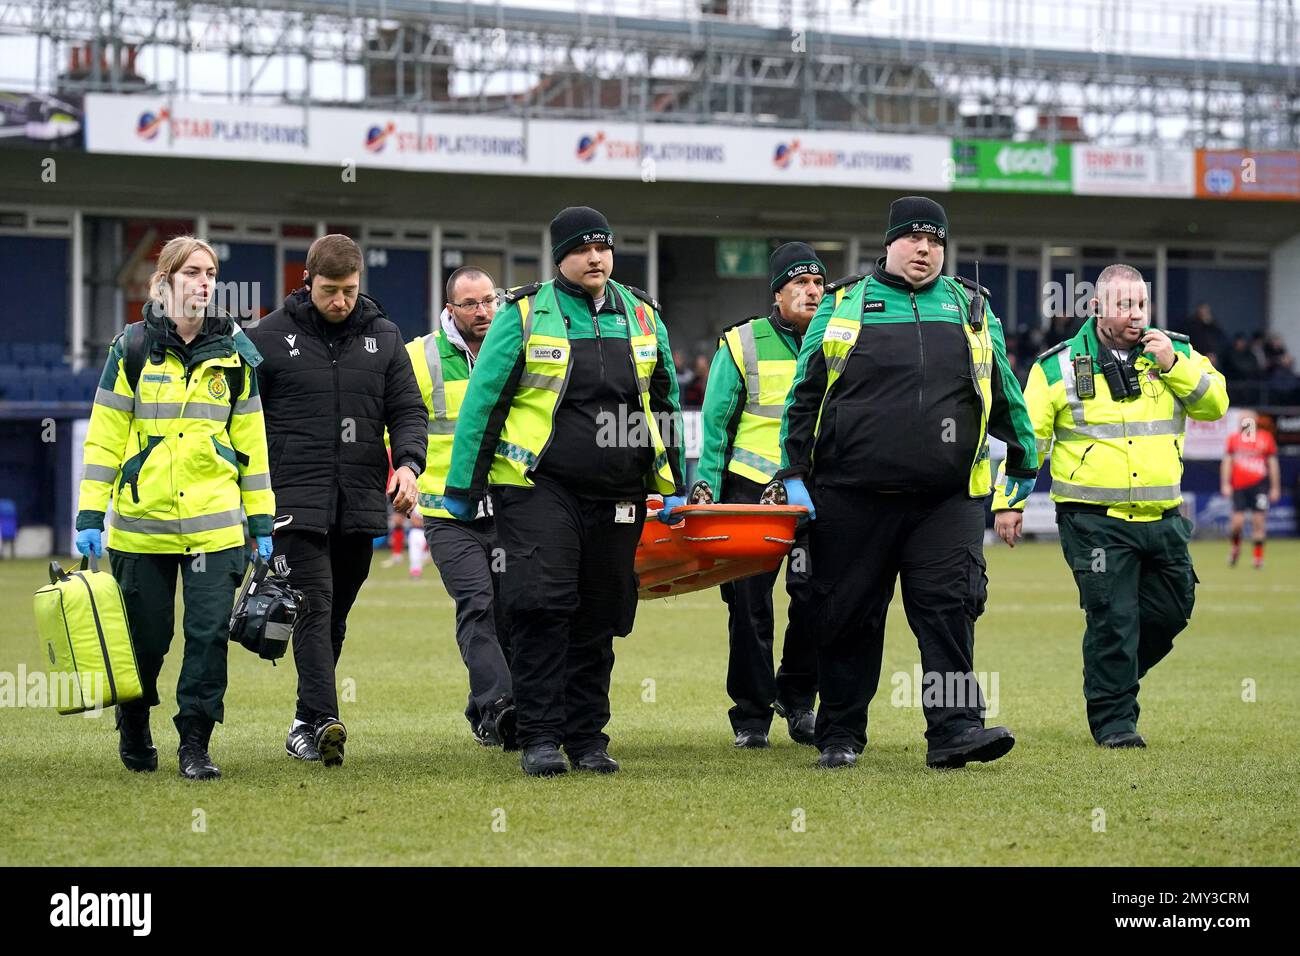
(442, 372)
(182, 459)
(1126, 455)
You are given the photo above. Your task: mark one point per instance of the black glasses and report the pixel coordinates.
(469, 305)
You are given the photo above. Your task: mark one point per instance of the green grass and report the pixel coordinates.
(1218, 785)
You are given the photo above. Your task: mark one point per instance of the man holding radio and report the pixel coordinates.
(1116, 398)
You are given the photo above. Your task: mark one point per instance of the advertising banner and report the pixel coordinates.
(1133, 172)
(442, 142)
(982, 164)
(1247, 174)
(158, 126)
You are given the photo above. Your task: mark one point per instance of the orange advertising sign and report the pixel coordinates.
(1247, 174)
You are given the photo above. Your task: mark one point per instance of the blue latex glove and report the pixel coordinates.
(796, 493)
(1018, 489)
(264, 546)
(671, 503)
(90, 541)
(462, 509)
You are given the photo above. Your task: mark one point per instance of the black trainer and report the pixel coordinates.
(800, 723)
(330, 736)
(507, 726)
(195, 763)
(752, 739)
(134, 741)
(836, 756)
(1123, 740)
(598, 761)
(973, 745)
(543, 760)
(301, 743)
(485, 731)
(498, 725)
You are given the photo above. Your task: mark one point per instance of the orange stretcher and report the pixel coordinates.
(711, 545)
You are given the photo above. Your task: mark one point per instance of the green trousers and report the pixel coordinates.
(208, 586)
(1137, 588)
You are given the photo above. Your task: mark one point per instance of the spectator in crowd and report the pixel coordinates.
(1206, 335)
(1241, 367)
(693, 394)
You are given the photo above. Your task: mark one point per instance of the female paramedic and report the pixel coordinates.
(177, 441)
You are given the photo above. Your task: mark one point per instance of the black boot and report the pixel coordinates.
(134, 742)
(193, 751)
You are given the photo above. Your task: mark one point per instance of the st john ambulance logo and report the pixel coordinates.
(372, 346)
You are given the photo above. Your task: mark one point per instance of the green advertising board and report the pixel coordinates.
(742, 259)
(1011, 167)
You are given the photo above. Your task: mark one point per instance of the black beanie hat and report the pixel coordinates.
(577, 226)
(916, 214)
(791, 260)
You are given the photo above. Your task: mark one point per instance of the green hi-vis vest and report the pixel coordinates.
(547, 365)
(443, 375)
(183, 459)
(767, 365)
(841, 335)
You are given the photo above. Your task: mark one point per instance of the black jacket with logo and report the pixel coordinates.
(327, 395)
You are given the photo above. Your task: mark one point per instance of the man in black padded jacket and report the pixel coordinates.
(335, 375)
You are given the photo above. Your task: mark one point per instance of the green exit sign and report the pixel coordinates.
(742, 259)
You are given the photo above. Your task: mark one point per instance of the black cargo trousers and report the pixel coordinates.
(864, 541)
(569, 588)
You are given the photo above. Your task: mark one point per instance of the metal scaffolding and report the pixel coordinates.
(1117, 72)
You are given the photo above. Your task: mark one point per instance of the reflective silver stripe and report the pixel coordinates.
(1067, 378)
(195, 525)
(1116, 495)
(442, 426)
(983, 369)
(765, 411)
(1119, 430)
(120, 403)
(1044, 445)
(643, 382)
(836, 363)
(100, 473)
(246, 406)
(758, 462)
(1199, 391)
(260, 482)
(437, 395)
(194, 410)
(749, 354)
(1142, 429)
(548, 382)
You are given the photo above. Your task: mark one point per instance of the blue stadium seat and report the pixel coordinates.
(17, 389)
(24, 353)
(46, 388)
(49, 354)
(72, 387)
(8, 519)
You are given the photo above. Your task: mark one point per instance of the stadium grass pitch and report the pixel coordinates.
(1218, 786)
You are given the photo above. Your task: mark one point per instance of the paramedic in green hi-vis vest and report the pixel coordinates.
(740, 454)
(902, 376)
(571, 416)
(1112, 403)
(182, 453)
(465, 552)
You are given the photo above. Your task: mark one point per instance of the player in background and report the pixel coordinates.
(1250, 479)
